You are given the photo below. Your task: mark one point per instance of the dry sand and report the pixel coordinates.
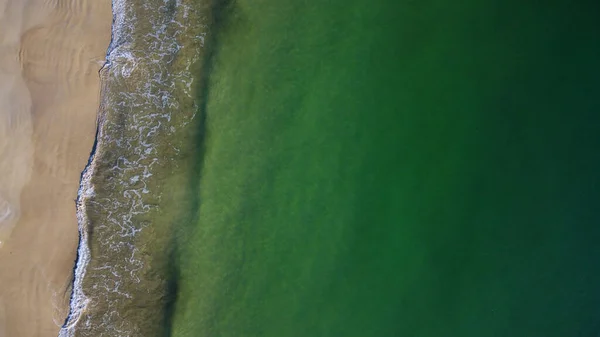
(50, 54)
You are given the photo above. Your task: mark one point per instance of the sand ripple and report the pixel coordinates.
(50, 53)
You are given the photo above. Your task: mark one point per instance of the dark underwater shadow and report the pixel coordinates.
(219, 15)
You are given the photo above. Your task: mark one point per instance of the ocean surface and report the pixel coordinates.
(344, 168)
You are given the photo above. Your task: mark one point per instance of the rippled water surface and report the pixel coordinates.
(343, 168)
(146, 104)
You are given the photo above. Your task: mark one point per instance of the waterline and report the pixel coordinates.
(147, 104)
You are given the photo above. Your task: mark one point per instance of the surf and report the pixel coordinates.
(147, 103)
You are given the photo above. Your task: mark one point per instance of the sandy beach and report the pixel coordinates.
(50, 54)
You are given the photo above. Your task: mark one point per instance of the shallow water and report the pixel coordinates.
(146, 107)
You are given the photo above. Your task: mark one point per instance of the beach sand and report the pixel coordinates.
(50, 54)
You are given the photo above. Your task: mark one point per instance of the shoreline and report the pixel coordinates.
(83, 257)
(83, 251)
(146, 103)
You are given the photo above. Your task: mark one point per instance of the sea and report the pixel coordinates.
(355, 168)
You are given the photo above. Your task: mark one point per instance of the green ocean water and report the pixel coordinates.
(396, 168)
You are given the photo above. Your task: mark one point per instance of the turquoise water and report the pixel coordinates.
(396, 168)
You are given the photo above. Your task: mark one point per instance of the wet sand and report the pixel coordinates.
(50, 54)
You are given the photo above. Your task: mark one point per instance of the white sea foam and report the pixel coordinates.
(78, 298)
(139, 85)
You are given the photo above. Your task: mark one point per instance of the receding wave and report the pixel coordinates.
(147, 102)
